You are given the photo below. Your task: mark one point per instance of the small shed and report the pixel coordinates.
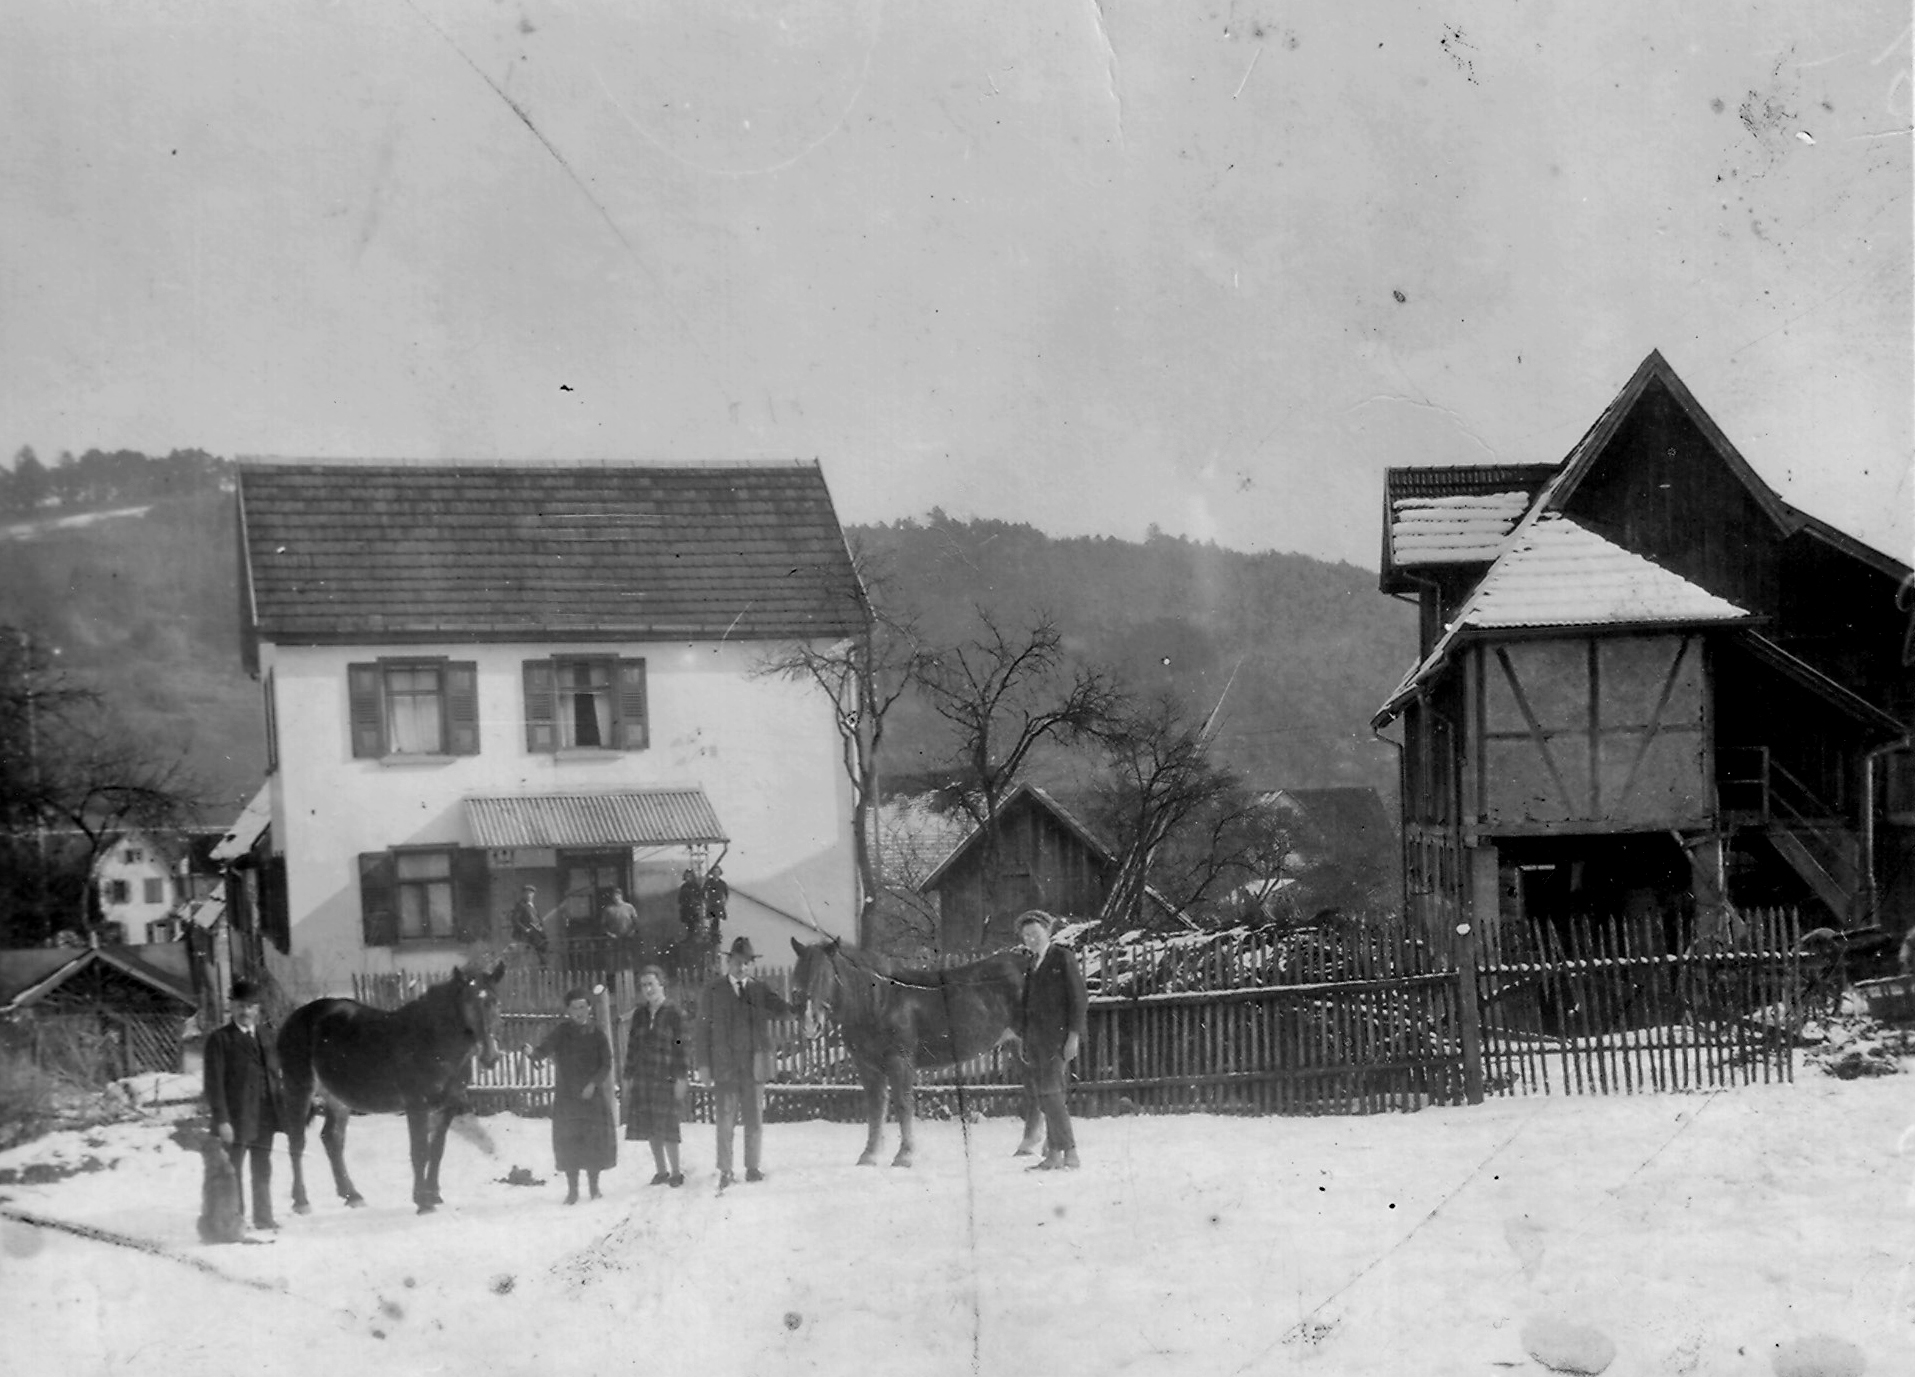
(96, 1013)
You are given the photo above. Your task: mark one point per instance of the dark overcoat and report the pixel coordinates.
(1054, 1004)
(734, 1033)
(584, 1131)
(243, 1084)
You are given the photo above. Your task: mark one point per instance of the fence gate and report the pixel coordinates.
(1600, 1005)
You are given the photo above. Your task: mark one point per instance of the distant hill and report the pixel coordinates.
(1308, 648)
(145, 608)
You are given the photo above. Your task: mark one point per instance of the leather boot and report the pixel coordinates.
(1070, 1159)
(1052, 1161)
(1032, 1142)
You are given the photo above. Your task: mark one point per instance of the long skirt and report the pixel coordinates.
(584, 1133)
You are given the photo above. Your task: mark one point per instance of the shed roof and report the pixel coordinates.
(382, 553)
(1555, 572)
(28, 975)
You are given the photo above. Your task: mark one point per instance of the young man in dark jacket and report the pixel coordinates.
(734, 1051)
(1051, 1024)
(244, 1094)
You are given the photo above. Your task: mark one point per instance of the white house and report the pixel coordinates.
(479, 677)
(137, 886)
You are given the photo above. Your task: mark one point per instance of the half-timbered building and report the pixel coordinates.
(1647, 685)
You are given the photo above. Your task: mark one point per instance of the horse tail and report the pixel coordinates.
(296, 1070)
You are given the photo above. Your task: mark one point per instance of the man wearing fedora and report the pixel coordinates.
(245, 1097)
(734, 1053)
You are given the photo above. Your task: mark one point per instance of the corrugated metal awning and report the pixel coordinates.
(645, 817)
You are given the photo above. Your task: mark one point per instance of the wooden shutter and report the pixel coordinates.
(471, 895)
(365, 711)
(633, 732)
(272, 726)
(275, 912)
(379, 898)
(541, 706)
(462, 707)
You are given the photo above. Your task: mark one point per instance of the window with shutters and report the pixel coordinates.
(413, 708)
(119, 891)
(585, 702)
(424, 893)
(155, 891)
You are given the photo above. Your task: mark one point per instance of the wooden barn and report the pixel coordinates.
(1647, 685)
(1046, 858)
(97, 1012)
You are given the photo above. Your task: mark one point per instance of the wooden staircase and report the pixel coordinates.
(1828, 858)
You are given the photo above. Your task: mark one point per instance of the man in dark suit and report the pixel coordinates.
(734, 1053)
(244, 1095)
(1051, 1024)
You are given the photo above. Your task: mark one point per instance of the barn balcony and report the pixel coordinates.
(1816, 839)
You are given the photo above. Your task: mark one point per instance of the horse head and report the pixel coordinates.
(476, 999)
(814, 981)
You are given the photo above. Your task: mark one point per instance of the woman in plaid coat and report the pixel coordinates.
(657, 1071)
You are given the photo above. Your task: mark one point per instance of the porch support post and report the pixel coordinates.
(1467, 944)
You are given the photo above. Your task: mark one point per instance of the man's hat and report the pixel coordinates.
(246, 992)
(742, 947)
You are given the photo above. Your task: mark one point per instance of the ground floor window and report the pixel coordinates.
(425, 893)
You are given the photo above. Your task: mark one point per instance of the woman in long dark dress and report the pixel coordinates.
(658, 1074)
(584, 1121)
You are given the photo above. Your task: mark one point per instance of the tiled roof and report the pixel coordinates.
(372, 553)
(1555, 572)
(648, 817)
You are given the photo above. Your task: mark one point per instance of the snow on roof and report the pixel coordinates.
(1555, 572)
(1453, 530)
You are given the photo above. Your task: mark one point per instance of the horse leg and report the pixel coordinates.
(874, 1094)
(903, 1078)
(435, 1150)
(333, 1135)
(296, 1150)
(419, 1130)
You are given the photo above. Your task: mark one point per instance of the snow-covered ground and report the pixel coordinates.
(1700, 1233)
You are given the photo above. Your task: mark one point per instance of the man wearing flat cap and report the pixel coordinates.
(734, 1053)
(245, 1097)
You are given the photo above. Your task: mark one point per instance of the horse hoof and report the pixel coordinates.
(427, 1207)
(870, 1159)
(355, 1202)
(302, 1209)
(901, 1161)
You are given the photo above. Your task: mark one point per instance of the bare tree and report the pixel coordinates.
(1173, 809)
(863, 676)
(1003, 693)
(71, 782)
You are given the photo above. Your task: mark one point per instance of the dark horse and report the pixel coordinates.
(411, 1059)
(896, 1021)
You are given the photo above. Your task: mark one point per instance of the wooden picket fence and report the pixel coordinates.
(1298, 1022)
(1610, 1005)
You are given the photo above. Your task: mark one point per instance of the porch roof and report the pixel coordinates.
(1555, 572)
(637, 817)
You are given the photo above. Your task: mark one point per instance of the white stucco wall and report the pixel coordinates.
(764, 750)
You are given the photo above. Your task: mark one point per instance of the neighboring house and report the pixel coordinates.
(1345, 852)
(1046, 858)
(484, 676)
(88, 1011)
(145, 880)
(1646, 684)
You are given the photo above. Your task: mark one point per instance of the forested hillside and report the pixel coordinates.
(144, 607)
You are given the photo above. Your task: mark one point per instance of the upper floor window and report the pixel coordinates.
(155, 891)
(414, 707)
(133, 855)
(119, 891)
(585, 701)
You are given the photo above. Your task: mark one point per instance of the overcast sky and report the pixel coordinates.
(1090, 266)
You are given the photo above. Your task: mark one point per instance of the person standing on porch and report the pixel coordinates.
(584, 1122)
(528, 924)
(1051, 1023)
(245, 1097)
(734, 1053)
(657, 1073)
